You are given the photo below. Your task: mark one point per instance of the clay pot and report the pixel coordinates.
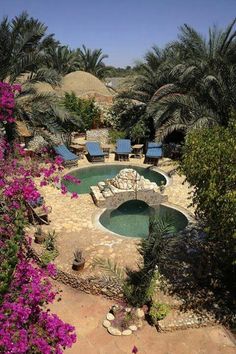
(78, 265)
(39, 238)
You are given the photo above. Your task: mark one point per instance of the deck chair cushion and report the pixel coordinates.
(94, 149)
(123, 146)
(154, 152)
(66, 154)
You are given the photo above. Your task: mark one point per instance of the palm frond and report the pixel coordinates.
(110, 268)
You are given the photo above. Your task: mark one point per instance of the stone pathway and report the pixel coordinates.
(73, 220)
(86, 313)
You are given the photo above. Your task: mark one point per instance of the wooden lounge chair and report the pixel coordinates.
(154, 153)
(70, 159)
(38, 215)
(123, 149)
(95, 153)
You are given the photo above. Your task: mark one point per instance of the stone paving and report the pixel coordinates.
(86, 313)
(74, 222)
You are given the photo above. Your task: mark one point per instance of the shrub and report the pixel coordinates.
(139, 131)
(209, 165)
(114, 135)
(158, 311)
(47, 257)
(85, 110)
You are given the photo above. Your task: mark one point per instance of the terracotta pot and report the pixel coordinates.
(78, 265)
(39, 238)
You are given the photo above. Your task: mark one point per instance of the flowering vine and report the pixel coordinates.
(25, 290)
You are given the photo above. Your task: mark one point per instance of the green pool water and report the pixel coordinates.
(90, 176)
(132, 218)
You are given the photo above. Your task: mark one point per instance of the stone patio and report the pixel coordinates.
(74, 220)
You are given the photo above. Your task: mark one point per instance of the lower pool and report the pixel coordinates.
(90, 176)
(132, 218)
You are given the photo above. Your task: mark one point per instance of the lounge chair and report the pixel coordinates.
(123, 149)
(38, 215)
(154, 153)
(69, 158)
(95, 153)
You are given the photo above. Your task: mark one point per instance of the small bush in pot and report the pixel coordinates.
(39, 235)
(79, 261)
(50, 241)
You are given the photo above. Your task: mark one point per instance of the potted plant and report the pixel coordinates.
(79, 261)
(39, 235)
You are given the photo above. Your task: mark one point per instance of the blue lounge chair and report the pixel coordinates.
(154, 153)
(123, 149)
(69, 158)
(95, 153)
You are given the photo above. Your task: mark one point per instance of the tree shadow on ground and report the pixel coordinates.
(192, 278)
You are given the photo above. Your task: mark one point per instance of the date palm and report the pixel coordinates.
(91, 61)
(191, 83)
(23, 42)
(62, 59)
(23, 57)
(202, 91)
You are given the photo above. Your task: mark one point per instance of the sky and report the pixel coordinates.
(124, 29)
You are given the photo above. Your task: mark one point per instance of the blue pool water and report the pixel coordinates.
(90, 176)
(132, 218)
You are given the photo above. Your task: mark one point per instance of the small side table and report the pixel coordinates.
(78, 150)
(106, 148)
(138, 150)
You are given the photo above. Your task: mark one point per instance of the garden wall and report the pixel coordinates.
(100, 135)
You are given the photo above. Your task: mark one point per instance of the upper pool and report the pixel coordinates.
(90, 176)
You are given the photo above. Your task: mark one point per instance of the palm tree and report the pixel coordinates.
(23, 42)
(43, 114)
(91, 61)
(194, 85)
(203, 93)
(24, 48)
(62, 59)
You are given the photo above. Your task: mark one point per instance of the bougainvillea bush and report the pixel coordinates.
(26, 325)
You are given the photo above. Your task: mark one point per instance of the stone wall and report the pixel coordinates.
(127, 185)
(151, 197)
(91, 285)
(100, 135)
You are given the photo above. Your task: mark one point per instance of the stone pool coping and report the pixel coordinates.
(96, 216)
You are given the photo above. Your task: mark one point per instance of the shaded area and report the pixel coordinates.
(192, 277)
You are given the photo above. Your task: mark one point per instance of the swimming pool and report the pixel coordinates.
(90, 176)
(132, 218)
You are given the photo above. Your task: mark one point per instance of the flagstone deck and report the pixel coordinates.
(74, 222)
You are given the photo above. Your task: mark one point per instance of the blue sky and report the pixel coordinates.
(124, 29)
